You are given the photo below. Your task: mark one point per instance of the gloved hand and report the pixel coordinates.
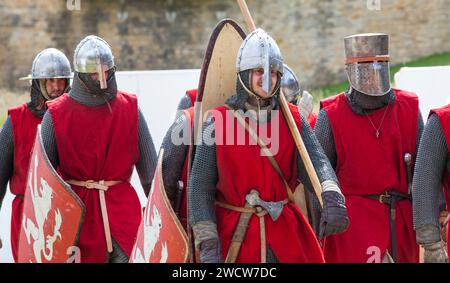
(334, 217)
(305, 104)
(435, 253)
(210, 251)
(207, 241)
(443, 221)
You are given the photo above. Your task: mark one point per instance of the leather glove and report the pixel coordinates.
(305, 104)
(210, 251)
(207, 241)
(443, 221)
(435, 253)
(334, 218)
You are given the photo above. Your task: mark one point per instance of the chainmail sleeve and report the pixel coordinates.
(323, 169)
(420, 127)
(174, 155)
(6, 157)
(203, 178)
(430, 166)
(48, 138)
(184, 103)
(324, 135)
(318, 158)
(146, 164)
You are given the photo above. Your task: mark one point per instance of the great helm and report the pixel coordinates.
(367, 63)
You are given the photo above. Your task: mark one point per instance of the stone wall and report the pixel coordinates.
(172, 34)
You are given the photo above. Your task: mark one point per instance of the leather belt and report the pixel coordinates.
(390, 197)
(102, 186)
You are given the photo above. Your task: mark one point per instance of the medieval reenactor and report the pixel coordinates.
(95, 135)
(175, 161)
(50, 78)
(294, 93)
(370, 134)
(235, 192)
(431, 180)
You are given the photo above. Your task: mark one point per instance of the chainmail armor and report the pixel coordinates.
(37, 100)
(323, 169)
(48, 140)
(324, 131)
(204, 175)
(432, 162)
(145, 165)
(174, 157)
(6, 157)
(184, 103)
(362, 103)
(87, 92)
(203, 178)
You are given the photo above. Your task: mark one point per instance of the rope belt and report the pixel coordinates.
(258, 211)
(390, 197)
(102, 186)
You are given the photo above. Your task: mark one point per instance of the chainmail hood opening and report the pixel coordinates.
(88, 92)
(362, 103)
(38, 96)
(245, 97)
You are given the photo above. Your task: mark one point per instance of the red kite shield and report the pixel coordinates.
(52, 213)
(161, 237)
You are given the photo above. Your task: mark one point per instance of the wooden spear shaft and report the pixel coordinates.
(247, 16)
(288, 115)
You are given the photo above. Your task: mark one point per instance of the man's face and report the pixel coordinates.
(95, 76)
(55, 87)
(257, 78)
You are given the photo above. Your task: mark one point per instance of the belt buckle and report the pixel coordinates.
(384, 197)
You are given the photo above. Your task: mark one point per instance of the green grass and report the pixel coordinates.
(2, 120)
(433, 60)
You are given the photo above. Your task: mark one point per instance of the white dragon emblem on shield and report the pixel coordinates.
(152, 228)
(41, 200)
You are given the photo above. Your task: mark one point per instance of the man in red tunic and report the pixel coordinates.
(176, 144)
(232, 180)
(368, 133)
(95, 135)
(176, 153)
(431, 178)
(50, 75)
